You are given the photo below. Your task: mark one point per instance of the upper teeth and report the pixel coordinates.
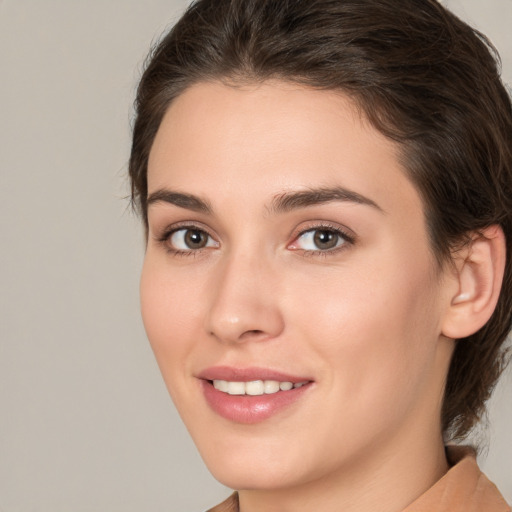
(255, 387)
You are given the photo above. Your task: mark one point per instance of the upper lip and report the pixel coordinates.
(234, 374)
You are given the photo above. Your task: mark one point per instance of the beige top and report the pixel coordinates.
(464, 488)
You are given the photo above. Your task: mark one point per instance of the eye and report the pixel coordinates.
(190, 239)
(320, 239)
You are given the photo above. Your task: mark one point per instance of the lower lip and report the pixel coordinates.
(250, 409)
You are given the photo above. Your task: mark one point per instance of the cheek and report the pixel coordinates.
(169, 309)
(374, 328)
(172, 320)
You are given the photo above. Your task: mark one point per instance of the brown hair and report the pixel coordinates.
(419, 74)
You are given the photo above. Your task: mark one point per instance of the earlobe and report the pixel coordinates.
(479, 275)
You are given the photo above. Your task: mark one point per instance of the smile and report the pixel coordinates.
(251, 395)
(255, 387)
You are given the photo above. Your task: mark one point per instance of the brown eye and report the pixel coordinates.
(190, 239)
(195, 239)
(320, 240)
(324, 239)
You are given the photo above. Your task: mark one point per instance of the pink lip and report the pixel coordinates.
(248, 374)
(249, 409)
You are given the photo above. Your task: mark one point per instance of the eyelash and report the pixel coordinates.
(348, 240)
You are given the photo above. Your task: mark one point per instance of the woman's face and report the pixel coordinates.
(287, 248)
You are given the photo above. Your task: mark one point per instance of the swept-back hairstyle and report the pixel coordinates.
(419, 74)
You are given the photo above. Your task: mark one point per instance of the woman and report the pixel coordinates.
(326, 187)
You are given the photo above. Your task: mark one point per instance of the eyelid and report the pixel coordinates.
(159, 233)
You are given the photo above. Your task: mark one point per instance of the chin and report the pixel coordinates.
(256, 468)
(248, 477)
(265, 466)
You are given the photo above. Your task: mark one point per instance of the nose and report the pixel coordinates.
(244, 304)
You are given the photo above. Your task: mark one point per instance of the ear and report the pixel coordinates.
(479, 274)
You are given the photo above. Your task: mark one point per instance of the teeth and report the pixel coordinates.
(221, 385)
(271, 386)
(255, 387)
(236, 388)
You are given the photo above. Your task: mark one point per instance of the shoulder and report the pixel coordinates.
(229, 505)
(464, 488)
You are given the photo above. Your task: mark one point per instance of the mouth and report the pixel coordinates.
(251, 395)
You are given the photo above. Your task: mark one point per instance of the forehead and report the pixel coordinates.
(273, 137)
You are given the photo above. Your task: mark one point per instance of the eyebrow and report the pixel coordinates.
(286, 202)
(291, 201)
(187, 201)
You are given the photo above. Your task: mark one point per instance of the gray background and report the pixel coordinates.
(85, 420)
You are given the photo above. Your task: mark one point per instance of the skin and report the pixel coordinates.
(364, 320)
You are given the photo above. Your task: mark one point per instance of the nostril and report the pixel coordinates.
(252, 333)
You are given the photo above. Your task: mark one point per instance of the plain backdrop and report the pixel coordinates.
(85, 420)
